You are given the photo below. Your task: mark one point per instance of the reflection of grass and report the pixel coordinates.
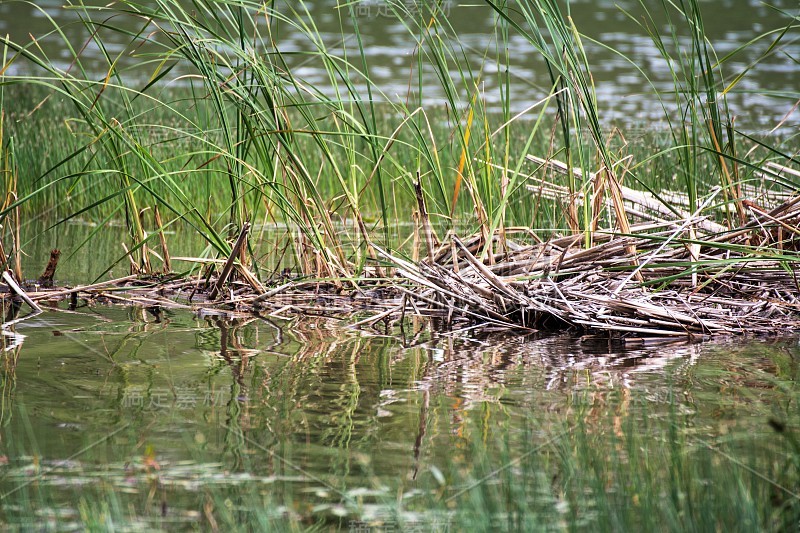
(622, 467)
(306, 449)
(627, 473)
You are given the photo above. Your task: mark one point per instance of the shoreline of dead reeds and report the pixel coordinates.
(715, 254)
(681, 277)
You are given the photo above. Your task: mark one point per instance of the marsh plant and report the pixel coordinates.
(215, 124)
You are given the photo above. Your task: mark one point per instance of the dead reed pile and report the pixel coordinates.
(674, 274)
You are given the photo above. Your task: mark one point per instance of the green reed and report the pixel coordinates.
(224, 130)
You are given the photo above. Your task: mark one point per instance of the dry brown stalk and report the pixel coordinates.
(426, 223)
(46, 278)
(163, 239)
(228, 268)
(134, 266)
(146, 267)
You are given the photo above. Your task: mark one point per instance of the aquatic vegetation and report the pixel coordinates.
(247, 423)
(359, 182)
(224, 130)
(247, 194)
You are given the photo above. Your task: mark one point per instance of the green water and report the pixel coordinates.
(766, 96)
(116, 416)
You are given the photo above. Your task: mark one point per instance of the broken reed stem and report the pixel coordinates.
(622, 217)
(426, 223)
(146, 268)
(167, 267)
(9, 279)
(17, 244)
(46, 279)
(228, 268)
(730, 186)
(133, 264)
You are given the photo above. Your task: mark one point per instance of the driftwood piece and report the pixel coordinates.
(16, 289)
(46, 279)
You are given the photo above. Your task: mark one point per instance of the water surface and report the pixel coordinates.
(764, 97)
(329, 423)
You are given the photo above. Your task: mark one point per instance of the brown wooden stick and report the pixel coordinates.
(8, 278)
(46, 279)
(228, 268)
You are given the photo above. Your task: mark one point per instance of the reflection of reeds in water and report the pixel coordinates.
(477, 372)
(406, 433)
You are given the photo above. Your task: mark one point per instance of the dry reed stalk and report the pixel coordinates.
(46, 278)
(146, 267)
(415, 242)
(167, 266)
(227, 269)
(134, 266)
(17, 240)
(645, 200)
(731, 187)
(250, 278)
(15, 288)
(552, 283)
(426, 223)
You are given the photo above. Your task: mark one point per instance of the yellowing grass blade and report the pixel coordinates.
(463, 159)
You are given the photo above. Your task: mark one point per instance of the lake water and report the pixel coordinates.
(169, 420)
(762, 99)
(331, 423)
